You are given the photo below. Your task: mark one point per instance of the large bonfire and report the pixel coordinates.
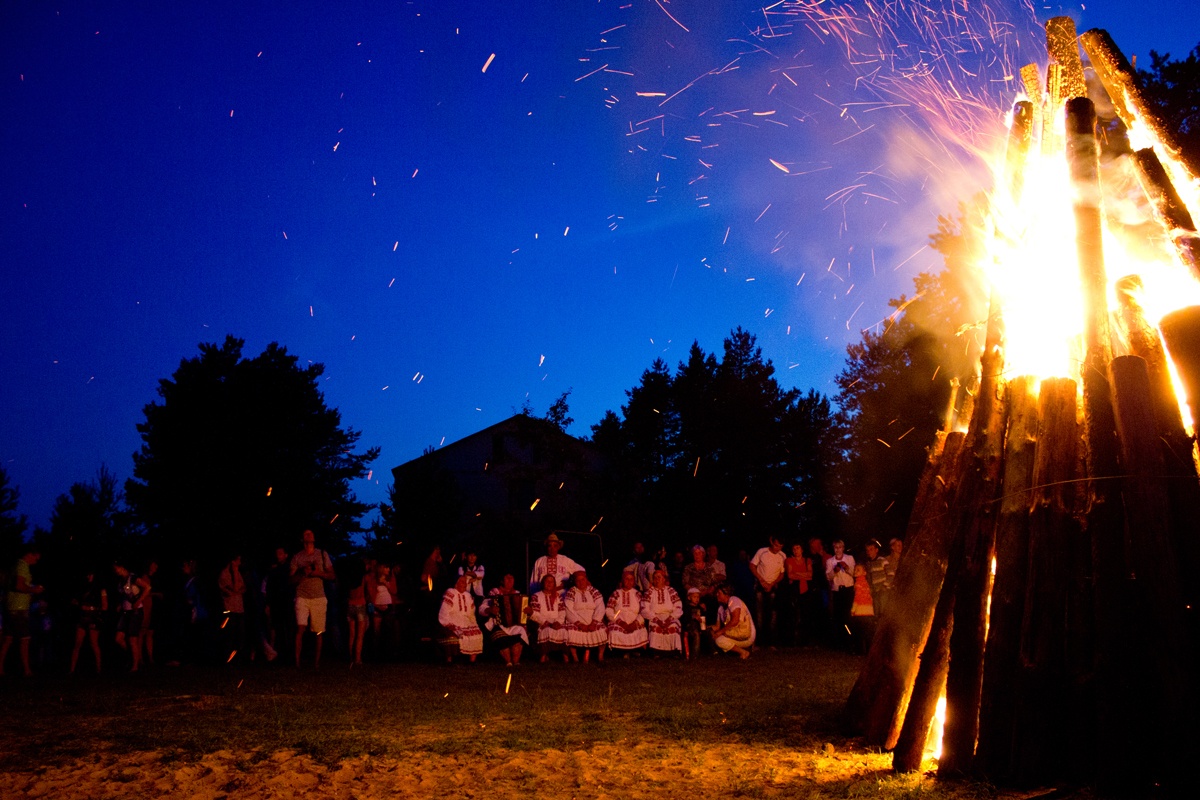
(1047, 587)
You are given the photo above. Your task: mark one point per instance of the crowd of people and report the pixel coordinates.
(660, 607)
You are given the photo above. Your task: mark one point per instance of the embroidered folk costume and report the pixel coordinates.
(547, 610)
(626, 625)
(460, 631)
(585, 617)
(663, 609)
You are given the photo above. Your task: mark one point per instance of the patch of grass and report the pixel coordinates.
(786, 699)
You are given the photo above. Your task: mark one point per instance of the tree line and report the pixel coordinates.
(241, 453)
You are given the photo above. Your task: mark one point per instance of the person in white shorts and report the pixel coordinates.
(309, 569)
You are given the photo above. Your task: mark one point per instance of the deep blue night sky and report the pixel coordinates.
(450, 241)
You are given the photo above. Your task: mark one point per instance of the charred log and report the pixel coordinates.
(1041, 707)
(1164, 714)
(1169, 207)
(1121, 82)
(880, 695)
(971, 572)
(997, 731)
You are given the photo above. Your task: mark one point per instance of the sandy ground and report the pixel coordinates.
(647, 769)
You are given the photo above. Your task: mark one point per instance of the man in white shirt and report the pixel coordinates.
(768, 568)
(839, 569)
(561, 567)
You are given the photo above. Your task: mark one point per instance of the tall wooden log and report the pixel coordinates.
(1104, 517)
(971, 572)
(928, 686)
(930, 484)
(1040, 706)
(1063, 46)
(1164, 715)
(1031, 78)
(1179, 467)
(1169, 207)
(880, 695)
(1121, 82)
(1181, 332)
(972, 514)
(1143, 341)
(996, 710)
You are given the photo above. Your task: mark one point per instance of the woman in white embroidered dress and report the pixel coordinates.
(547, 610)
(585, 619)
(663, 609)
(626, 625)
(460, 629)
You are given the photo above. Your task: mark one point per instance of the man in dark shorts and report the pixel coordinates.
(16, 618)
(91, 601)
(131, 612)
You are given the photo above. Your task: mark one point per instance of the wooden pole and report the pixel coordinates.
(928, 686)
(970, 577)
(1181, 332)
(1040, 706)
(1031, 77)
(1104, 516)
(1164, 718)
(880, 695)
(928, 486)
(1169, 207)
(1121, 82)
(977, 535)
(1178, 466)
(1063, 46)
(972, 517)
(1144, 341)
(996, 710)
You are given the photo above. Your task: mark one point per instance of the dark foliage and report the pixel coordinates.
(12, 524)
(90, 526)
(242, 454)
(719, 452)
(1173, 88)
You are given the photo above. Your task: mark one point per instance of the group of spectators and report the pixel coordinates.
(299, 601)
(805, 598)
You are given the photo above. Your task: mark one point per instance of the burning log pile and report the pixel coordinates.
(1049, 578)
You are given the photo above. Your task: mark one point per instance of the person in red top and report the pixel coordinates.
(799, 569)
(862, 612)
